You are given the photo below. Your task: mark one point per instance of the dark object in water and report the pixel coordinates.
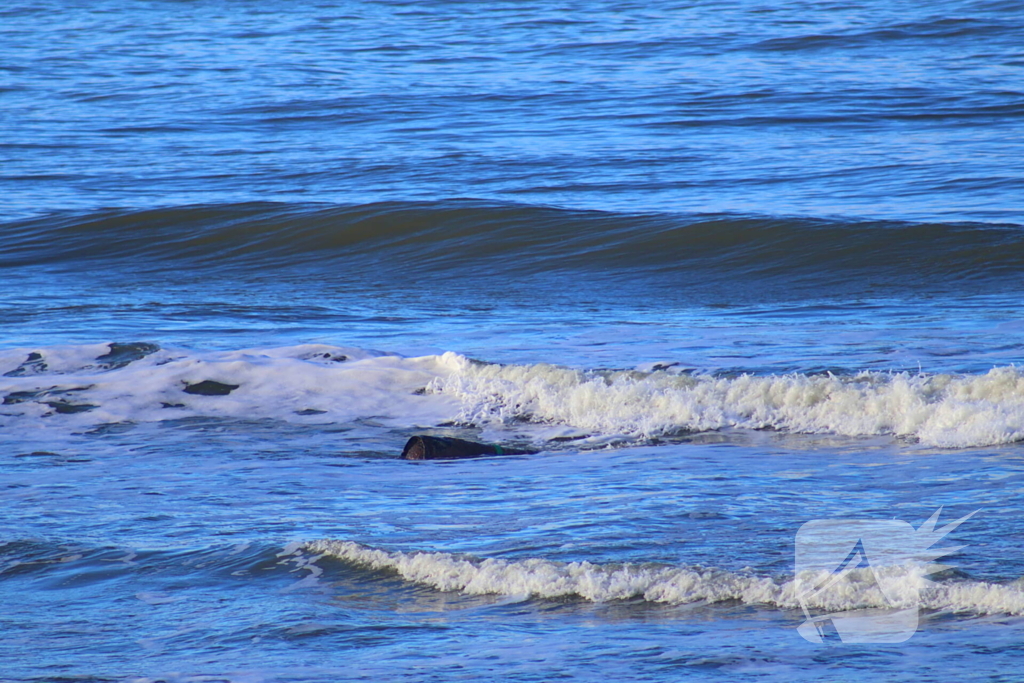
(445, 448)
(121, 355)
(65, 408)
(208, 387)
(33, 365)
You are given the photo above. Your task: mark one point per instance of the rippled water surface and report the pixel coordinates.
(726, 267)
(817, 109)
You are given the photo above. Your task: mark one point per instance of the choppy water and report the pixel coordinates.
(728, 267)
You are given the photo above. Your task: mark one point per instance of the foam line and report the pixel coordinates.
(74, 386)
(940, 410)
(539, 578)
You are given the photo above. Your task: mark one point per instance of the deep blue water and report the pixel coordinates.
(728, 267)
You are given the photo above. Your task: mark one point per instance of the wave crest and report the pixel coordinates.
(475, 238)
(539, 578)
(939, 410)
(314, 383)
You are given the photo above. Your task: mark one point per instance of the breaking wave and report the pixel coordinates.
(952, 411)
(85, 385)
(904, 586)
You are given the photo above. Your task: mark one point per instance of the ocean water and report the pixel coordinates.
(728, 267)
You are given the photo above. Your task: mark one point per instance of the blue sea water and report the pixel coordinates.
(728, 267)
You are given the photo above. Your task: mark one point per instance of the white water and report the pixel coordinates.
(308, 383)
(327, 384)
(904, 586)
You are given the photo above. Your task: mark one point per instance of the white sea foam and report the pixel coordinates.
(309, 382)
(939, 410)
(905, 586)
(319, 383)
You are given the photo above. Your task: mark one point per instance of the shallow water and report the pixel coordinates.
(728, 268)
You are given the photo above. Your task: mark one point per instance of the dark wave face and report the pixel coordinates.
(472, 239)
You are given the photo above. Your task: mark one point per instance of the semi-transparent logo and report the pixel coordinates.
(862, 578)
